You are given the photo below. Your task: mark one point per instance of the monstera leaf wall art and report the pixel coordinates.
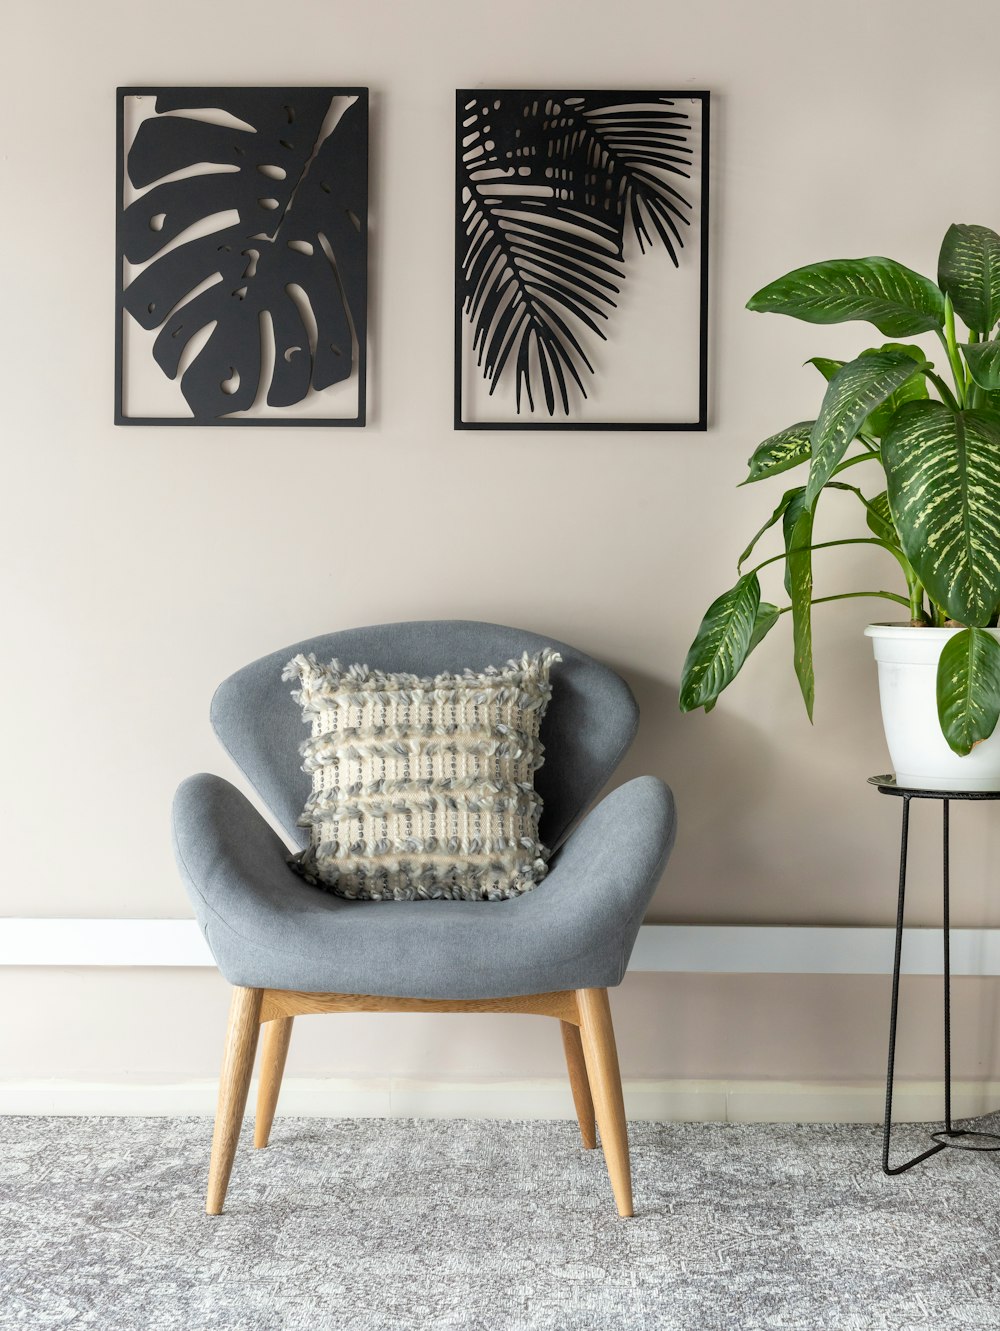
(581, 260)
(242, 256)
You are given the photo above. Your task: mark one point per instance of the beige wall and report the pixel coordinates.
(117, 1025)
(142, 566)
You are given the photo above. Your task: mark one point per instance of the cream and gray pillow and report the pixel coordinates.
(422, 788)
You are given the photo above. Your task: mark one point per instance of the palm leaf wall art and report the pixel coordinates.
(242, 245)
(559, 197)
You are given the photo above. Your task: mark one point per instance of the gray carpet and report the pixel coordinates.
(391, 1225)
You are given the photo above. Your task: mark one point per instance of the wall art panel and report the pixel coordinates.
(242, 256)
(581, 256)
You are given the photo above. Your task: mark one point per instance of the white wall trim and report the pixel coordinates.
(649, 1101)
(691, 948)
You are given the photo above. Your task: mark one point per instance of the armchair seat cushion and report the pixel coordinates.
(269, 929)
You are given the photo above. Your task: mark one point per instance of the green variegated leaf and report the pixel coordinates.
(793, 511)
(826, 366)
(969, 271)
(787, 498)
(984, 363)
(913, 390)
(943, 473)
(766, 618)
(781, 451)
(721, 645)
(968, 689)
(898, 301)
(852, 394)
(910, 349)
(915, 387)
(880, 520)
(799, 585)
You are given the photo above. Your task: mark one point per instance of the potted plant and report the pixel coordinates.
(924, 448)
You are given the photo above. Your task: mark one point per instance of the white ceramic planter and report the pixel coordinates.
(907, 660)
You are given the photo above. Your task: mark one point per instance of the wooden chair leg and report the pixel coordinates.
(277, 1034)
(598, 1038)
(234, 1082)
(579, 1083)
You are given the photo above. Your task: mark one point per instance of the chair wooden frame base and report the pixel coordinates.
(588, 1041)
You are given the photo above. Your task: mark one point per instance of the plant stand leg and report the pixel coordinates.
(894, 1010)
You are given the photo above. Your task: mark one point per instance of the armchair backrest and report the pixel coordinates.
(590, 722)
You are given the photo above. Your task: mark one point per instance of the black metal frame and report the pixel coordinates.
(537, 422)
(887, 786)
(120, 418)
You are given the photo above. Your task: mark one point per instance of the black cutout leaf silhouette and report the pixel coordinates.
(550, 183)
(296, 254)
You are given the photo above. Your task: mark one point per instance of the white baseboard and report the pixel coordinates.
(689, 948)
(650, 1101)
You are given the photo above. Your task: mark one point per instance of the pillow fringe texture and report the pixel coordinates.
(422, 788)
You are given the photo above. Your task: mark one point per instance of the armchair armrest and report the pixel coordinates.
(268, 928)
(602, 879)
(223, 845)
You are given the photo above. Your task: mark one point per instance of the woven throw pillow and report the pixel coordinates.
(422, 787)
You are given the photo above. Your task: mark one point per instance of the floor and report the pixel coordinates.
(393, 1225)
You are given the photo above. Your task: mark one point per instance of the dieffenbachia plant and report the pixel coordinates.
(937, 510)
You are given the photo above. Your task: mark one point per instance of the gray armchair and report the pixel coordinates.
(289, 949)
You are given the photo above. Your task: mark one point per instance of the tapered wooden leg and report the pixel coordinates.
(579, 1083)
(277, 1034)
(234, 1082)
(598, 1038)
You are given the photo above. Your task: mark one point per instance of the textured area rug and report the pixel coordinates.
(375, 1225)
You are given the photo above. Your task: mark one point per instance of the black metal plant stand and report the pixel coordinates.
(949, 1135)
